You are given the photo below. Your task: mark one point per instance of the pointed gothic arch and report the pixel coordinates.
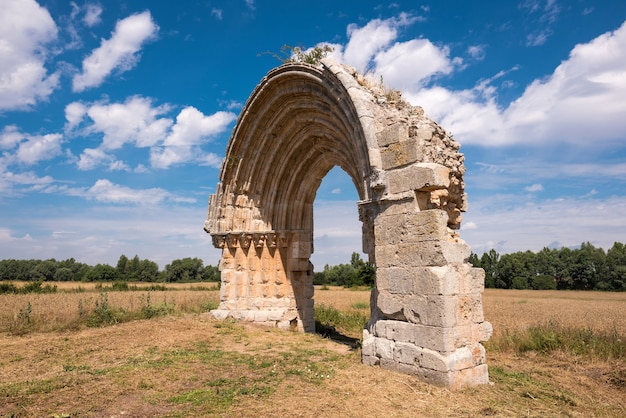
(299, 123)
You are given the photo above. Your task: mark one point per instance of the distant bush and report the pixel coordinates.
(32, 287)
(7, 288)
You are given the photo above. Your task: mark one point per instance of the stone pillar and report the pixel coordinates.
(427, 317)
(266, 278)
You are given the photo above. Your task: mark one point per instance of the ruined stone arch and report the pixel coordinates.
(299, 123)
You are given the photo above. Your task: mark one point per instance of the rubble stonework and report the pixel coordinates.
(299, 123)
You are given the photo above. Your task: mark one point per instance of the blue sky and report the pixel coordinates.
(114, 116)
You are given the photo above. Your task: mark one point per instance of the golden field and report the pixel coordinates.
(187, 364)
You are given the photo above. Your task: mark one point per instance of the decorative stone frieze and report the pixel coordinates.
(300, 122)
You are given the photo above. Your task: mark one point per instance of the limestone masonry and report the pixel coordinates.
(300, 122)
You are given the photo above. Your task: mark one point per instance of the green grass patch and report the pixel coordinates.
(350, 321)
(361, 305)
(528, 386)
(549, 337)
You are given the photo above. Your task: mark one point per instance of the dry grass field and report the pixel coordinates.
(183, 363)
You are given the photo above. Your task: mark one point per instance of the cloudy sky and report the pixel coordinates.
(114, 116)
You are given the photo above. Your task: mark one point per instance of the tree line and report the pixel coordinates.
(357, 273)
(584, 268)
(126, 269)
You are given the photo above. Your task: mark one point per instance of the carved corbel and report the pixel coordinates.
(270, 240)
(245, 240)
(219, 241)
(258, 240)
(232, 240)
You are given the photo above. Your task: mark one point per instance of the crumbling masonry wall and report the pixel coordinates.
(300, 122)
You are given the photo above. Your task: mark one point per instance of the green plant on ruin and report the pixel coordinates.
(311, 56)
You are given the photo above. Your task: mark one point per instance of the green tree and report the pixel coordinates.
(147, 271)
(489, 262)
(44, 270)
(101, 273)
(519, 283)
(63, 274)
(588, 266)
(616, 267)
(474, 260)
(340, 275)
(544, 282)
(122, 266)
(184, 270)
(211, 274)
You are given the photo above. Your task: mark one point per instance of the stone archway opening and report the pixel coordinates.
(299, 123)
(336, 225)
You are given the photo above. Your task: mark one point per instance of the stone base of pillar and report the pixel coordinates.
(276, 318)
(433, 354)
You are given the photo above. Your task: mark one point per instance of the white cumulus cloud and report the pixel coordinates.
(25, 30)
(139, 123)
(135, 121)
(192, 126)
(92, 14)
(580, 103)
(106, 191)
(28, 149)
(39, 147)
(120, 52)
(534, 188)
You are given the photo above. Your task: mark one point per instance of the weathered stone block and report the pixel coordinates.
(407, 353)
(470, 309)
(390, 305)
(220, 314)
(400, 154)
(302, 250)
(472, 376)
(433, 310)
(459, 359)
(456, 252)
(420, 177)
(418, 254)
(394, 366)
(370, 360)
(395, 207)
(368, 347)
(396, 280)
(412, 227)
(384, 348)
(398, 132)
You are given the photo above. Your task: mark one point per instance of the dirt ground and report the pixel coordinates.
(195, 366)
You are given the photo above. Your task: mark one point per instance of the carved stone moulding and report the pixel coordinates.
(269, 239)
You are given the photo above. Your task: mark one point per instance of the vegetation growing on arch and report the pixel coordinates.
(296, 54)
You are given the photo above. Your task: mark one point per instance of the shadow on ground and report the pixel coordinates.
(330, 332)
